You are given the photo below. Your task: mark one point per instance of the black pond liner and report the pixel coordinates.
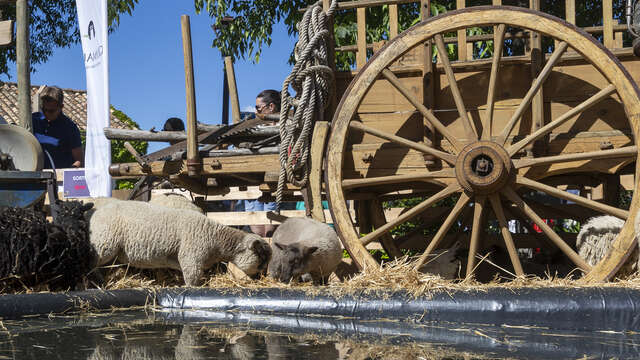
(584, 309)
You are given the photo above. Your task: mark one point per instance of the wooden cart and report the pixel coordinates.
(474, 145)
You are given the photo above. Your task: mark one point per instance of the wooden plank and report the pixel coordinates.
(361, 39)
(233, 89)
(393, 21)
(6, 32)
(462, 36)
(607, 23)
(331, 62)
(618, 37)
(319, 137)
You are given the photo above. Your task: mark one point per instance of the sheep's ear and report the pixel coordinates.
(308, 250)
(280, 246)
(87, 206)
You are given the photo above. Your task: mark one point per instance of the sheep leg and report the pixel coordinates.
(191, 266)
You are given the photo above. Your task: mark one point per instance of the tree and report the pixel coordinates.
(252, 23)
(54, 24)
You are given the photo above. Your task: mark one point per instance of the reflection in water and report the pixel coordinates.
(210, 335)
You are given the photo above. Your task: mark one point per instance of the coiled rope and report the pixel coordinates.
(311, 78)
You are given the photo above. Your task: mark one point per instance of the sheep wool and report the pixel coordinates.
(174, 201)
(305, 233)
(150, 236)
(595, 238)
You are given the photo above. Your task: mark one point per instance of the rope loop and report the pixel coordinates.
(311, 78)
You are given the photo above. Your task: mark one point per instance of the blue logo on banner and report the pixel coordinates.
(74, 184)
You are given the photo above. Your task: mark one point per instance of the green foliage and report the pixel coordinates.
(119, 154)
(253, 24)
(54, 24)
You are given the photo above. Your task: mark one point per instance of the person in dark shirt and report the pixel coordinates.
(58, 135)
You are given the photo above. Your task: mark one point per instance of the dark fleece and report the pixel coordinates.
(38, 251)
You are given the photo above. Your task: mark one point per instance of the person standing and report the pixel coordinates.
(267, 102)
(58, 135)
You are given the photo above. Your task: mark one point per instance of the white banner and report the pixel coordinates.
(92, 21)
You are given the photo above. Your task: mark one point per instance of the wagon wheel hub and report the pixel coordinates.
(483, 167)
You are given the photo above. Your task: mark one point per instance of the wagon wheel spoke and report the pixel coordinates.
(442, 231)
(386, 240)
(623, 152)
(537, 83)
(409, 214)
(610, 210)
(402, 141)
(595, 99)
(476, 230)
(455, 90)
(498, 44)
(395, 179)
(391, 77)
(555, 238)
(506, 234)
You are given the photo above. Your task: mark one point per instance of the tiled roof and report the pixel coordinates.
(75, 105)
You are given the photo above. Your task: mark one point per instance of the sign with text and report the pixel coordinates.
(74, 184)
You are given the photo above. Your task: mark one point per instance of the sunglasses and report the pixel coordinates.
(260, 108)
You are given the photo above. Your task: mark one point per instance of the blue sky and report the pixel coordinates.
(147, 66)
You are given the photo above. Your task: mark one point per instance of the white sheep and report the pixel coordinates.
(174, 201)
(304, 246)
(595, 238)
(150, 236)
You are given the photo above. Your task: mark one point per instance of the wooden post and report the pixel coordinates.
(462, 36)
(570, 11)
(23, 64)
(361, 40)
(393, 20)
(537, 58)
(429, 77)
(607, 23)
(193, 158)
(233, 89)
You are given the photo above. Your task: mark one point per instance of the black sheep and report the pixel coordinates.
(37, 251)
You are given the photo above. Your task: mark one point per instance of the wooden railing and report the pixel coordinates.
(612, 32)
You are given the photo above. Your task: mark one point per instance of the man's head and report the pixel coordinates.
(173, 124)
(51, 102)
(268, 102)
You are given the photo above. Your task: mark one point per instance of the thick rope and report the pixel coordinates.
(311, 79)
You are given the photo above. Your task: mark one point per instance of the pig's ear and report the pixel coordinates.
(308, 250)
(280, 246)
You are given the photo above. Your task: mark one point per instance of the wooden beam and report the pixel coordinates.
(361, 40)
(233, 89)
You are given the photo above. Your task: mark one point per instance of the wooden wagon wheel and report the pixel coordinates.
(484, 170)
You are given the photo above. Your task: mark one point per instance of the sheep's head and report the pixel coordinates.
(289, 261)
(253, 255)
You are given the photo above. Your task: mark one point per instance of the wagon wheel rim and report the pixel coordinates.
(474, 184)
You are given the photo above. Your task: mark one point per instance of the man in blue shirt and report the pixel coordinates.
(58, 135)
